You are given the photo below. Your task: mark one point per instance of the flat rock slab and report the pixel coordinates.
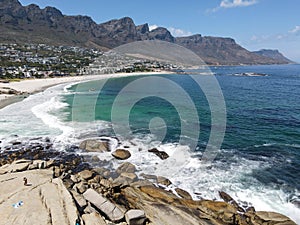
(272, 216)
(135, 217)
(112, 211)
(44, 202)
(93, 219)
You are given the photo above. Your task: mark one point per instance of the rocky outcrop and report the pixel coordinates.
(142, 31)
(121, 154)
(94, 145)
(117, 32)
(64, 189)
(161, 34)
(135, 217)
(30, 24)
(45, 201)
(10, 91)
(223, 51)
(126, 167)
(113, 212)
(93, 219)
(161, 154)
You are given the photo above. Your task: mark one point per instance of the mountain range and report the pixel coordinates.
(31, 24)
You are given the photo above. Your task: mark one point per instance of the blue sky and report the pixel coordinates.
(255, 24)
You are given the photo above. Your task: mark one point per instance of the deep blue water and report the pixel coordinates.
(263, 118)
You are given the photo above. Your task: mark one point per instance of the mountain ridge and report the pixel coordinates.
(272, 53)
(31, 24)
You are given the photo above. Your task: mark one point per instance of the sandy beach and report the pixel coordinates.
(32, 86)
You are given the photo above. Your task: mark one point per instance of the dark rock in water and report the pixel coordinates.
(93, 145)
(16, 143)
(227, 198)
(72, 148)
(126, 167)
(183, 194)
(296, 203)
(161, 154)
(164, 181)
(149, 177)
(121, 154)
(250, 210)
(270, 218)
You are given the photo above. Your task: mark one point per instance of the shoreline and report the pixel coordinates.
(28, 87)
(71, 189)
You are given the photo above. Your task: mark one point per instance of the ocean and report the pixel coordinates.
(257, 162)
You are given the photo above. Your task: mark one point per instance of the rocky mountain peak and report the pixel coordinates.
(162, 34)
(30, 24)
(9, 3)
(143, 29)
(274, 54)
(51, 11)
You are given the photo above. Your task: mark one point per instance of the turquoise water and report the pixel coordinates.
(258, 161)
(261, 148)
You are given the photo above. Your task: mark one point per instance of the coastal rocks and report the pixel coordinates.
(121, 154)
(81, 187)
(161, 154)
(157, 179)
(112, 211)
(44, 200)
(9, 91)
(219, 210)
(125, 179)
(183, 194)
(158, 193)
(22, 165)
(135, 217)
(18, 167)
(163, 181)
(227, 198)
(79, 200)
(126, 167)
(82, 192)
(94, 145)
(86, 174)
(270, 218)
(160, 206)
(93, 219)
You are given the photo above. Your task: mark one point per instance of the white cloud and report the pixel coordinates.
(153, 27)
(174, 31)
(296, 30)
(178, 32)
(225, 4)
(236, 3)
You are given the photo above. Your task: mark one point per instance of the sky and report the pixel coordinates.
(254, 24)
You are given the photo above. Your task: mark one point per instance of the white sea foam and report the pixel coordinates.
(184, 169)
(234, 178)
(45, 112)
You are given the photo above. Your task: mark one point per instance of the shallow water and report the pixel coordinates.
(258, 162)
